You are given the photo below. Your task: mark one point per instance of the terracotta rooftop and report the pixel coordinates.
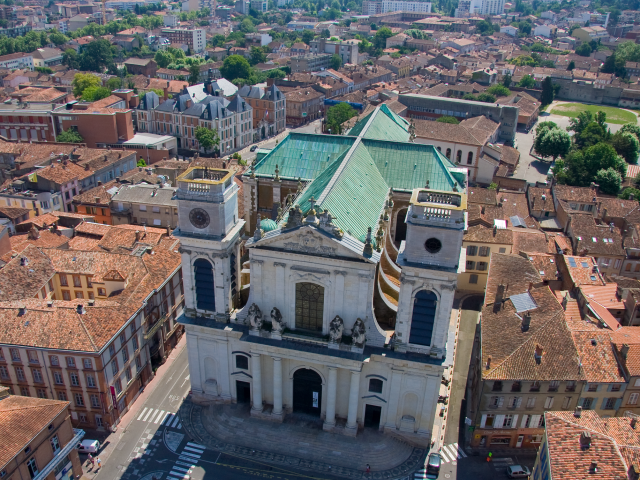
(584, 272)
(592, 239)
(616, 207)
(482, 234)
(95, 229)
(62, 174)
(575, 194)
(536, 202)
(529, 240)
(482, 196)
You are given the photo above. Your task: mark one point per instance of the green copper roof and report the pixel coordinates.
(267, 224)
(316, 187)
(406, 166)
(382, 123)
(303, 155)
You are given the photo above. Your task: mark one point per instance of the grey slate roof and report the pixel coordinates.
(144, 194)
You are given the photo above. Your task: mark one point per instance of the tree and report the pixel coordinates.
(235, 66)
(257, 56)
(609, 181)
(527, 82)
(547, 92)
(380, 38)
(246, 26)
(592, 134)
(70, 136)
(163, 58)
(82, 81)
(626, 144)
(579, 123)
(141, 163)
(448, 119)
(70, 58)
(207, 138)
(553, 142)
(499, 91)
(339, 114)
(114, 83)
(487, 98)
(469, 96)
(93, 94)
(629, 128)
(572, 65)
(484, 28)
(307, 36)
(506, 81)
(276, 73)
(627, 192)
(584, 50)
(194, 74)
(58, 38)
(97, 56)
(542, 126)
(335, 62)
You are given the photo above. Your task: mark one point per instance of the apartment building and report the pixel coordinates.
(348, 51)
(65, 177)
(151, 205)
(269, 106)
(310, 62)
(27, 122)
(120, 302)
(96, 201)
(14, 61)
(195, 38)
(304, 105)
(182, 115)
(39, 440)
(47, 57)
(385, 6)
(480, 242)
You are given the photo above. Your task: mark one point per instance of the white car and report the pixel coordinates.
(89, 446)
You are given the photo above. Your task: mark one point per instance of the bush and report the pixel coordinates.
(448, 119)
(487, 98)
(627, 192)
(499, 91)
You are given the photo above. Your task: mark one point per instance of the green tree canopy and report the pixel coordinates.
(82, 81)
(486, 97)
(97, 56)
(584, 50)
(527, 82)
(547, 91)
(163, 58)
(626, 144)
(448, 119)
(335, 62)
(380, 38)
(609, 181)
(207, 138)
(257, 56)
(592, 134)
(337, 115)
(506, 81)
(93, 94)
(235, 66)
(627, 192)
(542, 126)
(499, 91)
(69, 136)
(552, 142)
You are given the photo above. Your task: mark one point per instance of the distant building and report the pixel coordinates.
(13, 61)
(47, 57)
(269, 109)
(260, 6)
(310, 62)
(385, 6)
(195, 38)
(348, 51)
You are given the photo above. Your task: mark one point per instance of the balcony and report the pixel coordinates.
(570, 388)
(154, 328)
(516, 387)
(62, 453)
(497, 387)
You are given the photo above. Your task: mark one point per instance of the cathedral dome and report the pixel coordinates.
(268, 225)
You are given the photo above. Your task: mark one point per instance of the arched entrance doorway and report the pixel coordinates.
(264, 133)
(401, 226)
(307, 392)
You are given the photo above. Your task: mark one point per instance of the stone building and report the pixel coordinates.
(269, 109)
(317, 334)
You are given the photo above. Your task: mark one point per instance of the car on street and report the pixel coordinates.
(254, 148)
(433, 465)
(518, 471)
(89, 446)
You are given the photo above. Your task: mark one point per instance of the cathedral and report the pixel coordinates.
(338, 301)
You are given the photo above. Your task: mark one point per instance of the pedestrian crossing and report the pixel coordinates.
(187, 460)
(451, 452)
(159, 417)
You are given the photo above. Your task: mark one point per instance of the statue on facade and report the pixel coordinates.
(335, 329)
(295, 217)
(255, 317)
(358, 333)
(277, 323)
(327, 225)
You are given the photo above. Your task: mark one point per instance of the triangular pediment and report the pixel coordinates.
(307, 240)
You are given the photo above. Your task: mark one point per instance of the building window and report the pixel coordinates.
(375, 385)
(609, 403)
(472, 250)
(33, 356)
(95, 401)
(587, 403)
(548, 403)
(473, 279)
(114, 367)
(125, 354)
(203, 273)
(83, 418)
(423, 317)
(123, 339)
(20, 374)
(79, 294)
(471, 265)
(75, 380)
(91, 381)
(566, 403)
(71, 362)
(134, 341)
(15, 355)
(66, 295)
(63, 280)
(531, 402)
(57, 378)
(77, 282)
(138, 363)
(118, 385)
(593, 387)
(484, 251)
(87, 363)
(633, 399)
(79, 400)
(37, 375)
(508, 421)
(54, 360)
(470, 158)
(482, 266)
(102, 292)
(55, 444)
(4, 373)
(32, 467)
(309, 306)
(242, 362)
(62, 396)
(127, 373)
(553, 385)
(112, 351)
(24, 391)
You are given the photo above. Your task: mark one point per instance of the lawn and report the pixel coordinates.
(614, 115)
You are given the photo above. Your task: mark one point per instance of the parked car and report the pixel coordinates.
(433, 464)
(518, 471)
(254, 148)
(89, 446)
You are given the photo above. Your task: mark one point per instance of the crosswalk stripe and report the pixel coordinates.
(143, 412)
(168, 415)
(187, 458)
(195, 445)
(460, 451)
(180, 469)
(179, 426)
(445, 457)
(188, 454)
(179, 475)
(189, 449)
(453, 453)
(171, 478)
(176, 420)
(147, 415)
(159, 416)
(190, 465)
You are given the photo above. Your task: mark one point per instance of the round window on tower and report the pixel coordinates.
(433, 245)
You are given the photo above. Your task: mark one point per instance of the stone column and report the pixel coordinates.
(354, 392)
(194, 362)
(277, 386)
(280, 284)
(257, 383)
(330, 417)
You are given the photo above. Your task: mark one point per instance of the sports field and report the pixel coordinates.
(614, 115)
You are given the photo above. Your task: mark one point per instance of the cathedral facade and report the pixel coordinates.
(343, 320)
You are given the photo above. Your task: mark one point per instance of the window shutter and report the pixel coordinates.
(609, 388)
(518, 402)
(580, 402)
(499, 423)
(598, 388)
(514, 423)
(523, 424)
(623, 387)
(604, 403)
(618, 402)
(483, 420)
(535, 420)
(500, 401)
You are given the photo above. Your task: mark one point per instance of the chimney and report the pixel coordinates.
(530, 286)
(92, 302)
(50, 303)
(495, 230)
(22, 310)
(86, 167)
(624, 351)
(578, 412)
(585, 440)
(497, 304)
(538, 353)
(488, 362)
(138, 235)
(593, 468)
(482, 210)
(99, 182)
(80, 309)
(97, 199)
(24, 261)
(634, 472)
(633, 422)
(165, 92)
(526, 321)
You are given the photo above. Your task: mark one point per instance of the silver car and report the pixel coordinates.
(518, 471)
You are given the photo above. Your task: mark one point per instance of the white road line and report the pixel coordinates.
(159, 416)
(190, 449)
(180, 469)
(176, 420)
(147, 415)
(192, 455)
(445, 458)
(195, 445)
(460, 451)
(179, 474)
(168, 415)
(179, 426)
(187, 458)
(452, 452)
(143, 412)
(190, 465)
(171, 478)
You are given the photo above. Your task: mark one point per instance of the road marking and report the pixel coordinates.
(190, 449)
(176, 420)
(143, 412)
(445, 458)
(168, 415)
(193, 456)
(180, 475)
(185, 380)
(159, 416)
(189, 458)
(453, 453)
(180, 469)
(190, 465)
(195, 445)
(147, 415)
(460, 451)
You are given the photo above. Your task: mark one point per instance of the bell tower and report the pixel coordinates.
(209, 231)
(430, 261)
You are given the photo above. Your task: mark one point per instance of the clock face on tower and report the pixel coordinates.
(199, 218)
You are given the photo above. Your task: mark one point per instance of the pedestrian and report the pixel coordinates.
(99, 463)
(91, 460)
(368, 469)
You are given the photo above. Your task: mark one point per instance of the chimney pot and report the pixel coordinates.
(633, 422)
(624, 351)
(80, 309)
(593, 468)
(99, 182)
(488, 362)
(578, 411)
(585, 439)
(526, 321)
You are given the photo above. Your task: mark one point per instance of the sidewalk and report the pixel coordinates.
(110, 440)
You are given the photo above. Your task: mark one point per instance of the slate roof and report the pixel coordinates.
(144, 194)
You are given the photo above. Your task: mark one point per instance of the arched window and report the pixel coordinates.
(459, 156)
(423, 318)
(470, 158)
(440, 149)
(309, 306)
(205, 293)
(449, 153)
(401, 226)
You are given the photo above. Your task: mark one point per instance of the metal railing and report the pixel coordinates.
(62, 453)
